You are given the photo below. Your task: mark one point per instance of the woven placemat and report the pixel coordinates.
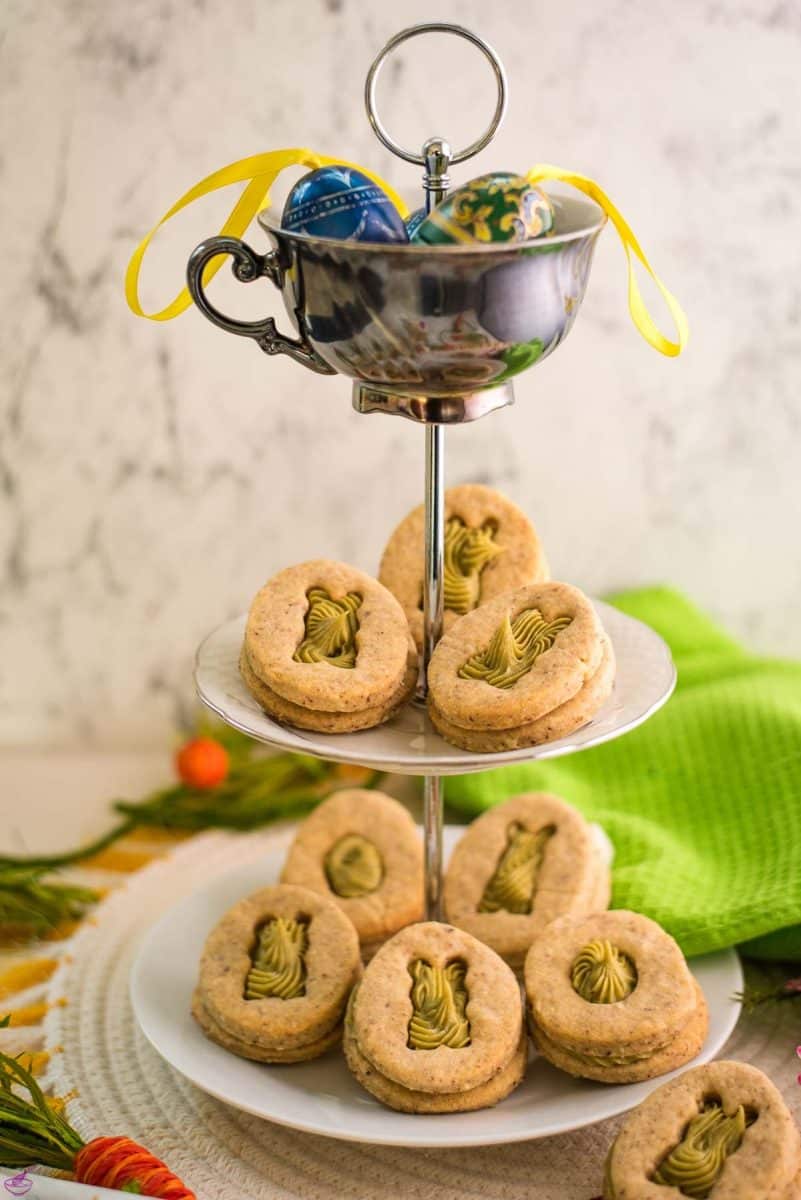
(121, 1086)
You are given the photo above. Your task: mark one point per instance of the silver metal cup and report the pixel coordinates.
(432, 332)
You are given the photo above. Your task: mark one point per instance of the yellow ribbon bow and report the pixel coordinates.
(260, 171)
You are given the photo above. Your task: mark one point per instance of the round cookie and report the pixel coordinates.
(520, 865)
(362, 850)
(402, 1099)
(491, 547)
(526, 667)
(719, 1129)
(276, 972)
(611, 998)
(437, 1012)
(328, 647)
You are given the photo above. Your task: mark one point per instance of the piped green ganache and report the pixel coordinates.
(353, 866)
(602, 974)
(439, 1000)
(515, 647)
(278, 960)
(513, 883)
(467, 552)
(330, 629)
(695, 1164)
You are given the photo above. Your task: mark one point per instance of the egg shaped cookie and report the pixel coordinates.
(610, 997)
(518, 867)
(362, 850)
(275, 975)
(491, 547)
(328, 648)
(722, 1129)
(527, 667)
(436, 1023)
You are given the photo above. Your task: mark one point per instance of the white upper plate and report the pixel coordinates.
(322, 1096)
(408, 744)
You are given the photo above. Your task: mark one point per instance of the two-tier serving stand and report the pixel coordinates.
(432, 334)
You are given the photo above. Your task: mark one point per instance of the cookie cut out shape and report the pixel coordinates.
(278, 961)
(353, 866)
(467, 553)
(439, 997)
(602, 974)
(512, 885)
(695, 1164)
(331, 628)
(515, 647)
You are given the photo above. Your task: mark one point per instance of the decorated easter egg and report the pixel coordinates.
(500, 207)
(341, 202)
(414, 221)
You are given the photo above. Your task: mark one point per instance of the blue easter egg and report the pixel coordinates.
(341, 202)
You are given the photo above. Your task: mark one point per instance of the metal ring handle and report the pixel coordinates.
(435, 27)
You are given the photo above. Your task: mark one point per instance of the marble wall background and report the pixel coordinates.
(154, 475)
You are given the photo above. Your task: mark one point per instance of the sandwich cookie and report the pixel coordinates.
(610, 997)
(527, 667)
(436, 1023)
(518, 867)
(275, 976)
(491, 547)
(328, 648)
(361, 849)
(721, 1129)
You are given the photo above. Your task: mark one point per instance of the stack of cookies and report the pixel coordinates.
(519, 866)
(528, 667)
(491, 547)
(328, 648)
(722, 1129)
(610, 997)
(275, 976)
(436, 1023)
(362, 850)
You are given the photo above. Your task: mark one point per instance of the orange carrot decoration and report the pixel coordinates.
(32, 1131)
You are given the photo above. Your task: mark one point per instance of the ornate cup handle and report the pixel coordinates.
(247, 266)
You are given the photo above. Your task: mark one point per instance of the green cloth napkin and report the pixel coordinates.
(703, 802)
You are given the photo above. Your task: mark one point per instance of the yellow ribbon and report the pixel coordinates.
(637, 306)
(258, 172)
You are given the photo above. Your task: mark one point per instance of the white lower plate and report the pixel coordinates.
(323, 1097)
(408, 743)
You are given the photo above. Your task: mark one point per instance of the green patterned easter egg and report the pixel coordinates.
(500, 207)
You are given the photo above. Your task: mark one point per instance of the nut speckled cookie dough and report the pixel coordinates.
(611, 998)
(436, 1023)
(491, 547)
(721, 1129)
(362, 850)
(275, 975)
(328, 648)
(518, 867)
(528, 667)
